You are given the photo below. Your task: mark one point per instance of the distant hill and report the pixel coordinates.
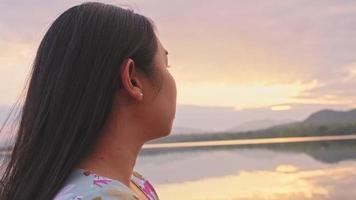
(321, 123)
(332, 117)
(257, 125)
(324, 118)
(184, 130)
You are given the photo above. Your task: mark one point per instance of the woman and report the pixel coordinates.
(99, 89)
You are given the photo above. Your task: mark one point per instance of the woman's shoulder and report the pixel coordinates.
(86, 185)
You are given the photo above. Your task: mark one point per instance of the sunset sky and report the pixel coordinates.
(230, 53)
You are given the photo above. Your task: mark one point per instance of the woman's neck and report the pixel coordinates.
(115, 153)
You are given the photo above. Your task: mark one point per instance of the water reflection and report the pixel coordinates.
(293, 171)
(325, 170)
(325, 183)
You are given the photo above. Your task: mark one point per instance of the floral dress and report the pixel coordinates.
(86, 185)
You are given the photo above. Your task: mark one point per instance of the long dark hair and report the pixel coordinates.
(74, 77)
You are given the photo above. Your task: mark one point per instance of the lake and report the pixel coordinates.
(273, 169)
(307, 170)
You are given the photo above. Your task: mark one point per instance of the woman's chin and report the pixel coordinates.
(162, 134)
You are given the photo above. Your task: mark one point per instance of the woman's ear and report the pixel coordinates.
(130, 79)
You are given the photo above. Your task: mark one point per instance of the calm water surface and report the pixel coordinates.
(285, 169)
(317, 170)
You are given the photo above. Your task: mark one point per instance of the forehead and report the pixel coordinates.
(161, 48)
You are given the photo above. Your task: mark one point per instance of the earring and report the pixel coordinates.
(141, 94)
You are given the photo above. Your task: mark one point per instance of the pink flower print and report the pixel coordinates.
(99, 180)
(148, 189)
